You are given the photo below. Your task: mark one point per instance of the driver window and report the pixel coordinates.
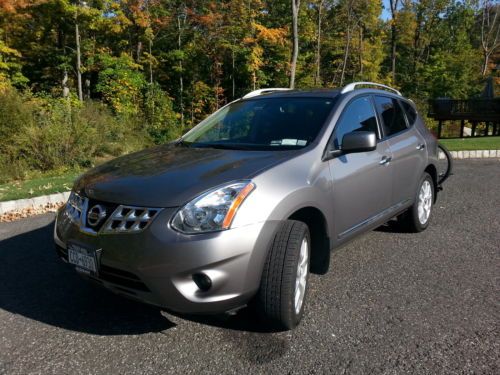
(359, 115)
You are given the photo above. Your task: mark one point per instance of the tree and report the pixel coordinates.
(317, 76)
(295, 38)
(121, 82)
(393, 4)
(490, 32)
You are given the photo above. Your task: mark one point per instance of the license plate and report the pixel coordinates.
(84, 259)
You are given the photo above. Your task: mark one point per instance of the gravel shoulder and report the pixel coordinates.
(392, 303)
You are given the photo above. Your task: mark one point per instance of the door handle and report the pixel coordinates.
(385, 160)
(421, 146)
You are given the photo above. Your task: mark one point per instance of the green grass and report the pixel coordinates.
(35, 187)
(476, 143)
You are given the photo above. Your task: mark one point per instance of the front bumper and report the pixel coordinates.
(156, 265)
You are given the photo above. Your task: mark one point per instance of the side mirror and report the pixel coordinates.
(359, 141)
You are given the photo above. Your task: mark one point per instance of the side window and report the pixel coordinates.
(392, 115)
(411, 114)
(358, 116)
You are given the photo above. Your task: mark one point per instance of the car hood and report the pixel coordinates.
(169, 176)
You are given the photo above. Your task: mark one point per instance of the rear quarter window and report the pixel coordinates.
(392, 115)
(411, 113)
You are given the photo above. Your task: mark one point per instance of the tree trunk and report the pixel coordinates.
(78, 62)
(87, 88)
(416, 40)
(361, 34)
(489, 42)
(485, 64)
(317, 78)
(65, 84)
(150, 61)
(346, 54)
(233, 70)
(181, 78)
(295, 51)
(394, 7)
(393, 53)
(347, 42)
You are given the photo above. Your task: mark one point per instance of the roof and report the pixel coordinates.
(311, 93)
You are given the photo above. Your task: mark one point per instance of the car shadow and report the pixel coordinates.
(35, 284)
(392, 226)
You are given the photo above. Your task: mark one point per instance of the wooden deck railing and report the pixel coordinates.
(479, 110)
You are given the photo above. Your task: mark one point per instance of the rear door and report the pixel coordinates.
(362, 181)
(407, 148)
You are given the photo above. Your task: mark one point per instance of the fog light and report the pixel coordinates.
(202, 281)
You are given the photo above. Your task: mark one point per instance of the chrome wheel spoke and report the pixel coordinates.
(301, 277)
(424, 204)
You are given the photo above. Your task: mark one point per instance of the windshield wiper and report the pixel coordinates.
(225, 146)
(182, 143)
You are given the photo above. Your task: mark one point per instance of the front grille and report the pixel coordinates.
(75, 207)
(129, 219)
(122, 278)
(115, 218)
(109, 209)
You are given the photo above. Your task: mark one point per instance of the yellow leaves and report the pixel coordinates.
(271, 35)
(256, 60)
(4, 50)
(4, 83)
(12, 6)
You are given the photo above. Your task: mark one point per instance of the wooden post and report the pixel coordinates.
(462, 126)
(440, 126)
(473, 131)
(486, 128)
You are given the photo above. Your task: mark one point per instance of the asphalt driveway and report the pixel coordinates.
(392, 303)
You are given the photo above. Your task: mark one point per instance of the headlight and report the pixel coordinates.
(213, 210)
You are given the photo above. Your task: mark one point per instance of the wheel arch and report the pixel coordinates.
(431, 169)
(316, 221)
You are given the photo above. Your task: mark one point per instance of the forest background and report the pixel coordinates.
(83, 81)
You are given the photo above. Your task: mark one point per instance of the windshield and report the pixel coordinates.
(274, 123)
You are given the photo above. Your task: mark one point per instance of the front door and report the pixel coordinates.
(362, 182)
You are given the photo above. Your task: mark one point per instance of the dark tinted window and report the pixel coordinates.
(272, 123)
(358, 116)
(392, 115)
(411, 114)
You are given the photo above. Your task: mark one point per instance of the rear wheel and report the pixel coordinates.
(416, 219)
(283, 289)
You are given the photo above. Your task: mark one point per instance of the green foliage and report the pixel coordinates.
(121, 82)
(162, 122)
(46, 133)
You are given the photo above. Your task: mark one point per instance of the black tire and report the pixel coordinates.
(409, 220)
(275, 301)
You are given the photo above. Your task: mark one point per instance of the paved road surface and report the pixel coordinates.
(393, 303)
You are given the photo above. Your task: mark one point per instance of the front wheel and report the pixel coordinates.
(283, 288)
(416, 219)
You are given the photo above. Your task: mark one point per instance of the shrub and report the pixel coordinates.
(44, 133)
(161, 121)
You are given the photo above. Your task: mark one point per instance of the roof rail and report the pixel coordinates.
(352, 87)
(263, 91)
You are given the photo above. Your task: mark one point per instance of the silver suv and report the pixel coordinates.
(242, 207)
